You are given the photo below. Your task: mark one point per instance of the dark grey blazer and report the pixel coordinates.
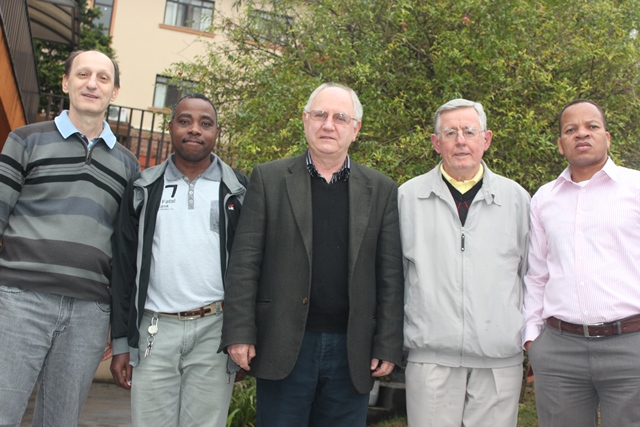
(269, 276)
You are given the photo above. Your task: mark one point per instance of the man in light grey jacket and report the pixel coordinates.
(464, 236)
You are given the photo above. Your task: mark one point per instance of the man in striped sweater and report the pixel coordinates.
(61, 183)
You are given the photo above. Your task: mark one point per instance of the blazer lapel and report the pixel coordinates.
(299, 192)
(360, 193)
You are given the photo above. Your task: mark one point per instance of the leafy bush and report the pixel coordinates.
(242, 411)
(522, 59)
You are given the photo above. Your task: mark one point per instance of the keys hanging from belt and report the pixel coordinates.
(152, 330)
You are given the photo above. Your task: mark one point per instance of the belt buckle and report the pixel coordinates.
(585, 328)
(219, 305)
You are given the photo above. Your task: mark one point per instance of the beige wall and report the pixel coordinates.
(146, 47)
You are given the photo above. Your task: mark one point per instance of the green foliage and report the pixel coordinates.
(522, 59)
(242, 411)
(51, 56)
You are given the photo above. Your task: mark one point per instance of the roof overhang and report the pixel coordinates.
(55, 21)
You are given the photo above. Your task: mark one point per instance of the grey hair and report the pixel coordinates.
(357, 106)
(455, 104)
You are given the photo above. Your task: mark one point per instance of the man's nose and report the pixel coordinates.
(460, 138)
(93, 81)
(583, 131)
(195, 129)
(328, 122)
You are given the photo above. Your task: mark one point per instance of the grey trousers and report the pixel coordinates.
(574, 374)
(184, 381)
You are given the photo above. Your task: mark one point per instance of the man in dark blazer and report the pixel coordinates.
(314, 297)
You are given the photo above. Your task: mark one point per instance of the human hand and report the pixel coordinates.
(242, 354)
(121, 370)
(107, 351)
(380, 368)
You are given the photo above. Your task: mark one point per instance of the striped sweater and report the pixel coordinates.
(58, 203)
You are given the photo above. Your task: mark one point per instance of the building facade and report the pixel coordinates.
(149, 36)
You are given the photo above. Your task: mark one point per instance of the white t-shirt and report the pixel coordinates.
(185, 262)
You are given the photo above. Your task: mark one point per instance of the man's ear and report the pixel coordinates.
(116, 91)
(435, 142)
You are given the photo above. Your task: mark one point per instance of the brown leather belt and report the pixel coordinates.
(213, 308)
(598, 330)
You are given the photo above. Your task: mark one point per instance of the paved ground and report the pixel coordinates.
(110, 406)
(107, 406)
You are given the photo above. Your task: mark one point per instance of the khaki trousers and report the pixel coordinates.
(442, 396)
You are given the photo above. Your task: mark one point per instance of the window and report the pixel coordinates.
(106, 9)
(270, 27)
(194, 14)
(167, 93)
(115, 113)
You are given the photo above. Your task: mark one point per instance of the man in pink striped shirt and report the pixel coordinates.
(582, 289)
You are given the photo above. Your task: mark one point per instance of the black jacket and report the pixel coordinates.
(132, 247)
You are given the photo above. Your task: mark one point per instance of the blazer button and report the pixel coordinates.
(305, 301)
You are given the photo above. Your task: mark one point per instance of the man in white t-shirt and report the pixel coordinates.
(172, 243)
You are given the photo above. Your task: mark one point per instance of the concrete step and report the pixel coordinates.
(392, 400)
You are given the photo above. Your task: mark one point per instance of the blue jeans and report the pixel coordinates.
(318, 392)
(184, 380)
(55, 340)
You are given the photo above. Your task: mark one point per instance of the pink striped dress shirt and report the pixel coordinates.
(584, 253)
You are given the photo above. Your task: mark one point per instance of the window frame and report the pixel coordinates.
(263, 21)
(170, 87)
(105, 5)
(180, 13)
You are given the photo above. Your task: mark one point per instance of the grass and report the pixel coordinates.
(391, 422)
(527, 416)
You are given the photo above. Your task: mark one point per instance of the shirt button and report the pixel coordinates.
(305, 301)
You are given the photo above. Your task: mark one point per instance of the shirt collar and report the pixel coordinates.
(67, 128)
(212, 173)
(610, 169)
(463, 186)
(341, 175)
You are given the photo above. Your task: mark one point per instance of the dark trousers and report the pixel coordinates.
(317, 393)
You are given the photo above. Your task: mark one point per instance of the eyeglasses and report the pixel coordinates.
(451, 134)
(321, 116)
